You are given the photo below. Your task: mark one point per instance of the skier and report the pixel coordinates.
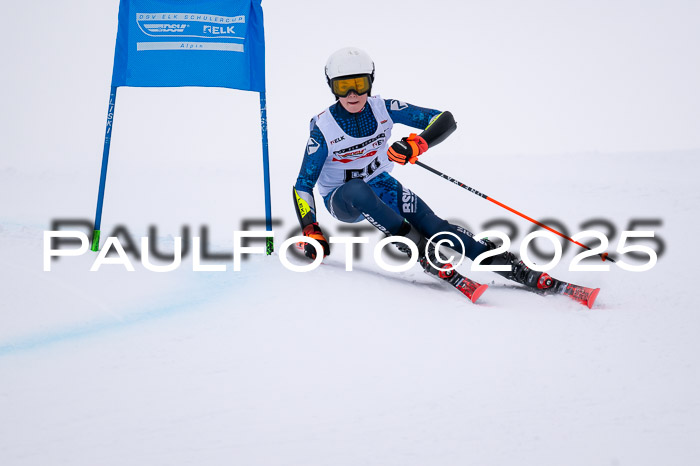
(349, 158)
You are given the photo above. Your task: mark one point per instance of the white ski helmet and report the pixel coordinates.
(349, 61)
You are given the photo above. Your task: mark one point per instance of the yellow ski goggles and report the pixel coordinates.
(361, 84)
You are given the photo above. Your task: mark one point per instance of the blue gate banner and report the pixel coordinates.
(170, 43)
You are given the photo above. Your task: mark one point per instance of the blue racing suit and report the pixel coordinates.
(377, 197)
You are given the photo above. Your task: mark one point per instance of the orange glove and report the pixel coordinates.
(314, 231)
(407, 149)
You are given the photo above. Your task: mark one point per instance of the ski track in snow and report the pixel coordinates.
(403, 366)
(268, 366)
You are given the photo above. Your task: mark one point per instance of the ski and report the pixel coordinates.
(547, 285)
(579, 293)
(469, 288)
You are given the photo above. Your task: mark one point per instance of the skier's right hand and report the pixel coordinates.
(407, 149)
(314, 231)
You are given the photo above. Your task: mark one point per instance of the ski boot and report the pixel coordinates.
(426, 253)
(519, 272)
(428, 260)
(540, 282)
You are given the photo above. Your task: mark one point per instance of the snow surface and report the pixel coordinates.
(270, 367)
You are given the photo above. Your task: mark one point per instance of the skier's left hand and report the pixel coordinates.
(407, 149)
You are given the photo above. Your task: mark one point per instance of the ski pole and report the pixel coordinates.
(604, 255)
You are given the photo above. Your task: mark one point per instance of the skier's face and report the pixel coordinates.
(352, 102)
